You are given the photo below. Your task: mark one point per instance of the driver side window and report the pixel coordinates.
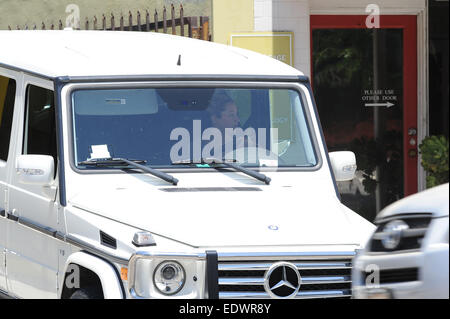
(40, 123)
(7, 96)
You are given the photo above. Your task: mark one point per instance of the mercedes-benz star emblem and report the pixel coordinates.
(282, 280)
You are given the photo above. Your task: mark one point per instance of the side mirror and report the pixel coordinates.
(35, 169)
(343, 165)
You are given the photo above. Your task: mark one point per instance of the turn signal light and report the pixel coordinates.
(124, 273)
(143, 239)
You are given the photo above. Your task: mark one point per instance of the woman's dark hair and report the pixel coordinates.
(218, 103)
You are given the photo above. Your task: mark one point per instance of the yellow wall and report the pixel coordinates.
(277, 45)
(231, 16)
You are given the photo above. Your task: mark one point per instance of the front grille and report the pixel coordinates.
(390, 276)
(411, 238)
(323, 278)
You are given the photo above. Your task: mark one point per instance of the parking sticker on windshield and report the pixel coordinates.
(100, 151)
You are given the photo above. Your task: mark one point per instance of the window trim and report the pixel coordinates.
(24, 115)
(9, 77)
(299, 86)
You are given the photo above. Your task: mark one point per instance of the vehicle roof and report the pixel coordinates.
(104, 53)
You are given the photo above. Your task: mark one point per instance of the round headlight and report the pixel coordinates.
(169, 277)
(393, 234)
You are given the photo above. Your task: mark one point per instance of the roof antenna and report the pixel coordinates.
(179, 60)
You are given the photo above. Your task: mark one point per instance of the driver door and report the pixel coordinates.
(8, 85)
(32, 257)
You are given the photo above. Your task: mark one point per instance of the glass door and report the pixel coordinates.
(365, 85)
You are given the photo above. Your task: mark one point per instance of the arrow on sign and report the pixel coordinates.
(387, 104)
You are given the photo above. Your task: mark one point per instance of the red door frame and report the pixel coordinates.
(409, 25)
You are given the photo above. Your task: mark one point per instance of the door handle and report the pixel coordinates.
(12, 216)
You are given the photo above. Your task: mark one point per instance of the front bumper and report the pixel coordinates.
(416, 274)
(212, 274)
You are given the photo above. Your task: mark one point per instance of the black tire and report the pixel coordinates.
(87, 293)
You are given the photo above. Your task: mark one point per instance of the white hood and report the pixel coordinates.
(433, 200)
(263, 215)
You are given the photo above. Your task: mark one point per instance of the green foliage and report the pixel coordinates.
(434, 150)
(341, 58)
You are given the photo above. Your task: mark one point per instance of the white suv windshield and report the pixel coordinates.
(172, 126)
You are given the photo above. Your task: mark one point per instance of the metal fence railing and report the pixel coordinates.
(191, 26)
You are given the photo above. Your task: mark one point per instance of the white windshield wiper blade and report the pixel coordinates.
(259, 176)
(127, 162)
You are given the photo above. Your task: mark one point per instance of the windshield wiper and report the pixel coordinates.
(134, 163)
(227, 163)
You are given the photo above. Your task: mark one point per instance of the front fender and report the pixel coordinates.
(111, 284)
